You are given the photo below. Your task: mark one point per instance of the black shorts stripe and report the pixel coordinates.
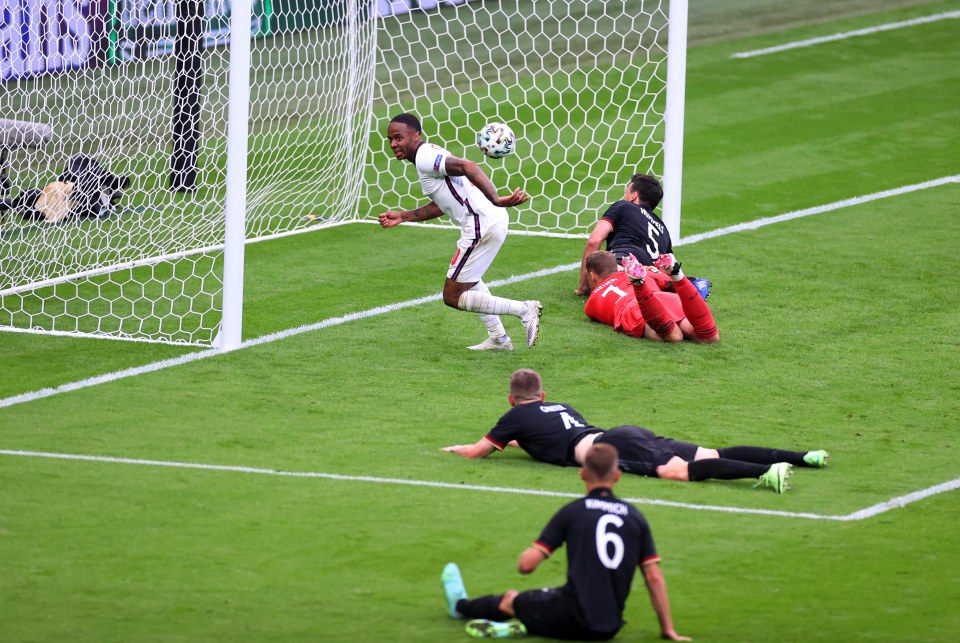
(473, 244)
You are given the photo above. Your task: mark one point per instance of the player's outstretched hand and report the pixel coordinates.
(455, 448)
(582, 290)
(390, 219)
(518, 197)
(673, 636)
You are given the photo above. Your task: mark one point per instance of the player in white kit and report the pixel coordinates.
(459, 189)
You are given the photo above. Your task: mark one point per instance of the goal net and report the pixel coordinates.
(581, 83)
(140, 88)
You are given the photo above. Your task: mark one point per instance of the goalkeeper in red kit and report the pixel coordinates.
(629, 303)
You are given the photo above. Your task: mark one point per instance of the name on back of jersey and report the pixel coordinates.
(552, 408)
(607, 506)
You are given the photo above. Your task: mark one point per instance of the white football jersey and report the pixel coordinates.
(455, 195)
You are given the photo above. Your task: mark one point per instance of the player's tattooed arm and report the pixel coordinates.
(462, 167)
(423, 213)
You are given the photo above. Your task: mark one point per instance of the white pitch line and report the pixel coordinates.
(264, 339)
(108, 377)
(903, 501)
(848, 34)
(836, 205)
(380, 310)
(862, 514)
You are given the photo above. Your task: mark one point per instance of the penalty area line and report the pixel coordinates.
(890, 26)
(380, 310)
(869, 512)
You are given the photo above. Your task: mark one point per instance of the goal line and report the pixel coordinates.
(750, 225)
(379, 310)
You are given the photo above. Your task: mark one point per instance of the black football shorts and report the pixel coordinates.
(641, 451)
(551, 613)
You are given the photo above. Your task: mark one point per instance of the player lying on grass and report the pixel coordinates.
(628, 302)
(459, 189)
(630, 226)
(557, 434)
(607, 540)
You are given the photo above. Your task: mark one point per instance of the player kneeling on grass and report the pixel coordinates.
(628, 302)
(556, 433)
(607, 540)
(459, 188)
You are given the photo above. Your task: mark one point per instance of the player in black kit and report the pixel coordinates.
(607, 540)
(557, 434)
(629, 226)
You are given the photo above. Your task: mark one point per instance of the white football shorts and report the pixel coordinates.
(474, 256)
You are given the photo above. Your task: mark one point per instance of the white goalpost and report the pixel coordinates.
(141, 149)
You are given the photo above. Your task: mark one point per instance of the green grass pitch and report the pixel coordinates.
(840, 331)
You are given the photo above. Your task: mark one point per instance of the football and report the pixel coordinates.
(496, 140)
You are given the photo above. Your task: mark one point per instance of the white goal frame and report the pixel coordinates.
(236, 203)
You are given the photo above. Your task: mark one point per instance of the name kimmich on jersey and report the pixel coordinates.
(607, 507)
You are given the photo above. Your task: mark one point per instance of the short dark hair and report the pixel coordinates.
(409, 120)
(601, 263)
(648, 188)
(525, 384)
(601, 462)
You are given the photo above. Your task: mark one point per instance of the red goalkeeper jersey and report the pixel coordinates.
(613, 303)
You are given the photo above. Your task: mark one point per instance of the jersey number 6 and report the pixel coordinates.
(607, 538)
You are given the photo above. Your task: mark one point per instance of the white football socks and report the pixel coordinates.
(475, 301)
(494, 326)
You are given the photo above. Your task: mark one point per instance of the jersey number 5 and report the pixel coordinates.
(606, 539)
(654, 252)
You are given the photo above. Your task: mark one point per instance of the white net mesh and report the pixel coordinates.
(151, 267)
(132, 83)
(582, 84)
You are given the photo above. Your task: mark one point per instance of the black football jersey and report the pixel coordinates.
(546, 430)
(607, 539)
(638, 231)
